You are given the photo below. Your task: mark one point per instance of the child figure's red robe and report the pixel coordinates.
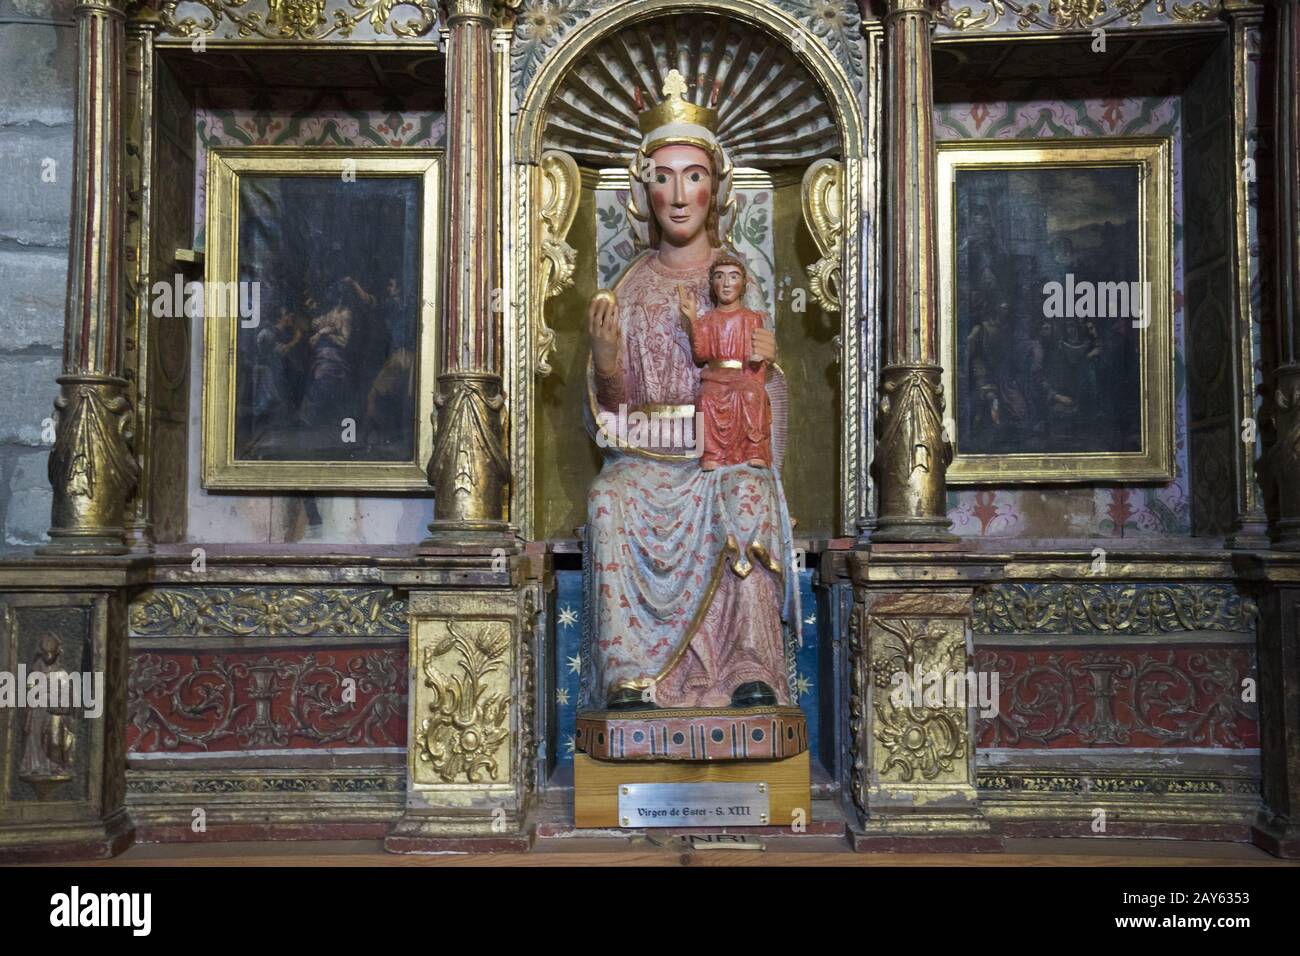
(733, 395)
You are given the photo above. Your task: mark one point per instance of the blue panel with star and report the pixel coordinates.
(568, 642)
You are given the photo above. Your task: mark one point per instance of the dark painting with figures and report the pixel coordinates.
(328, 371)
(1049, 307)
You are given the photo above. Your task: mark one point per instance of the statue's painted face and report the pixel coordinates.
(681, 191)
(728, 284)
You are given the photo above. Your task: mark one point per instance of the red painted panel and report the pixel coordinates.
(266, 700)
(1122, 697)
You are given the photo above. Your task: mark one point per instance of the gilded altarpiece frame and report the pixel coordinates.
(1146, 164)
(227, 169)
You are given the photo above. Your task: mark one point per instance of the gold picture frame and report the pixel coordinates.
(306, 168)
(1110, 367)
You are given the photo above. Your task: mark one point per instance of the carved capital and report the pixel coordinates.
(912, 455)
(469, 470)
(92, 468)
(107, 8)
(489, 12)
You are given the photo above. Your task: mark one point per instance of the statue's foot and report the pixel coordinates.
(757, 463)
(708, 465)
(753, 694)
(629, 698)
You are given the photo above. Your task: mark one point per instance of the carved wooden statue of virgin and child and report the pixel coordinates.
(692, 608)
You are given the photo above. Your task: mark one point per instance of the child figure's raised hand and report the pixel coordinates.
(686, 302)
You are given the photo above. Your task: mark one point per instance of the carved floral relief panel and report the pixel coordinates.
(1120, 697)
(281, 699)
(1118, 665)
(1115, 510)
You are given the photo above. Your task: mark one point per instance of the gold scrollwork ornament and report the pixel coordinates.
(467, 720)
(561, 187)
(823, 211)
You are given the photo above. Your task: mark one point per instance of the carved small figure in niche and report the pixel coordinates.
(733, 400)
(49, 741)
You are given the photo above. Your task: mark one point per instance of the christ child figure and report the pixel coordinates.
(733, 401)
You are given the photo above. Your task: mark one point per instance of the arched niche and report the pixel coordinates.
(791, 106)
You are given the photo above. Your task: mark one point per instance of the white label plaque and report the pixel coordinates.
(693, 805)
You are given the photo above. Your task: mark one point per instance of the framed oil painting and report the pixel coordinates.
(1056, 298)
(321, 292)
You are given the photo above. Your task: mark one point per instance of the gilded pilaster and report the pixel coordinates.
(1245, 18)
(138, 125)
(92, 466)
(912, 723)
(471, 766)
(470, 468)
(912, 451)
(1283, 461)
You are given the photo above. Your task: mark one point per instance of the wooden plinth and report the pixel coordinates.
(693, 734)
(596, 783)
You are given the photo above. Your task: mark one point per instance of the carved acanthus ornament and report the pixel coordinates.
(1120, 609)
(467, 713)
(300, 19)
(823, 211)
(561, 188)
(267, 612)
(469, 469)
(1083, 15)
(92, 467)
(915, 741)
(913, 447)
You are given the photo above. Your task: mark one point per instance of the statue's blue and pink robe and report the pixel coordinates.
(688, 573)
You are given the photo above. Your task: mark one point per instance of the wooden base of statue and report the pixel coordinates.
(766, 746)
(748, 733)
(596, 785)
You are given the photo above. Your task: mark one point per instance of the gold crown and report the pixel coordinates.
(675, 108)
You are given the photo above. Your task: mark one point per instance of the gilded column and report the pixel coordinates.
(92, 466)
(470, 469)
(1284, 457)
(912, 452)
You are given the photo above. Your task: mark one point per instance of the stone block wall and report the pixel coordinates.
(37, 91)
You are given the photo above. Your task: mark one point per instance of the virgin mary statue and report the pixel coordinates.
(690, 599)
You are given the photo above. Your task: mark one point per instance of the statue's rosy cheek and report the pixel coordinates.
(701, 197)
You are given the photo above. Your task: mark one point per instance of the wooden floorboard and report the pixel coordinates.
(1036, 853)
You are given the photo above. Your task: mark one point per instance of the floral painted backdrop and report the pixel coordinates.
(350, 121)
(751, 235)
(1101, 512)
